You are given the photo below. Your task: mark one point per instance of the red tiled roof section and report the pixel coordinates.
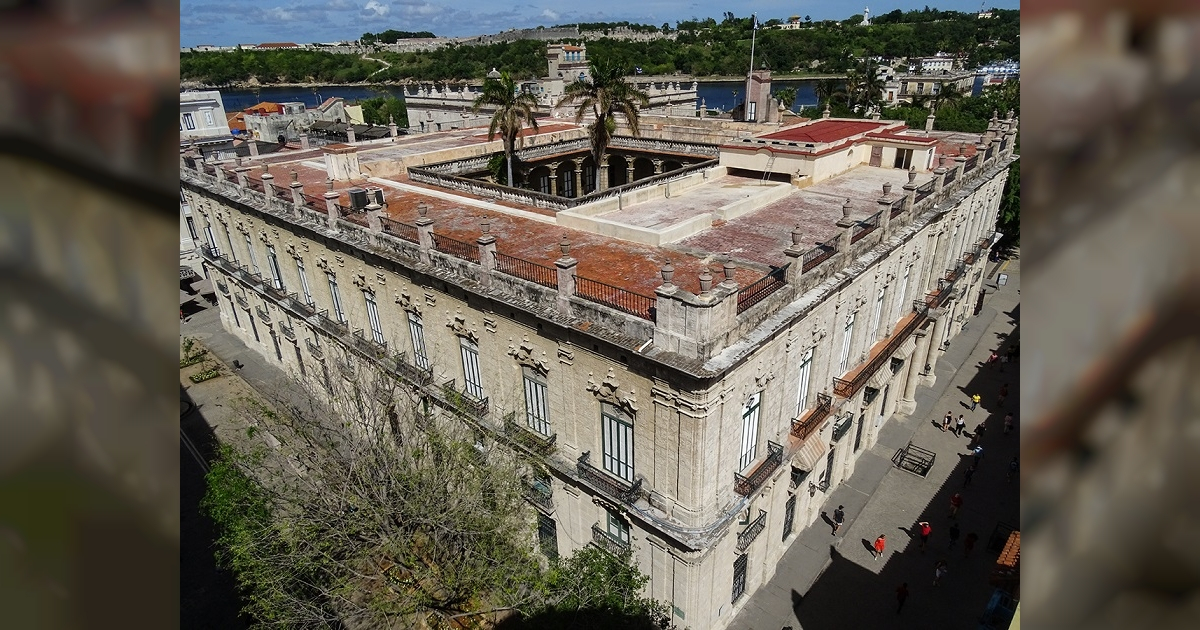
(954, 149)
(264, 108)
(826, 131)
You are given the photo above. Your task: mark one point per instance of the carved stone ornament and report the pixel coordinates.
(262, 236)
(290, 250)
(762, 377)
(818, 333)
(360, 280)
(458, 324)
(609, 391)
(323, 264)
(525, 355)
(406, 302)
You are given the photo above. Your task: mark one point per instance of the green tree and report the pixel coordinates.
(947, 95)
(514, 110)
(828, 90)
(604, 95)
(1008, 221)
(382, 110)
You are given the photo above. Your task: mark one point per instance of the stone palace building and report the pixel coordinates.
(697, 354)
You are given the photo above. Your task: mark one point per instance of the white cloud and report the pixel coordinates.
(376, 9)
(549, 15)
(281, 14)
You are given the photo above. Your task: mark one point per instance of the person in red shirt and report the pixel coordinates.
(955, 503)
(925, 530)
(879, 545)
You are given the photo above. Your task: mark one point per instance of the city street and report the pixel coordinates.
(833, 582)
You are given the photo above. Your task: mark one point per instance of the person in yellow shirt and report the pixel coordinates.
(975, 401)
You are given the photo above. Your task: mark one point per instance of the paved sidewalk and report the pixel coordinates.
(826, 582)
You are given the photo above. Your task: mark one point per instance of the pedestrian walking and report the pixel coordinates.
(956, 502)
(992, 358)
(839, 517)
(969, 543)
(978, 452)
(925, 530)
(953, 534)
(1008, 423)
(960, 425)
(939, 571)
(1012, 353)
(901, 595)
(1012, 468)
(975, 401)
(880, 543)
(970, 472)
(978, 434)
(947, 420)
(1002, 396)
(1003, 360)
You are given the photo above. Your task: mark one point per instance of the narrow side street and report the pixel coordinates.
(826, 581)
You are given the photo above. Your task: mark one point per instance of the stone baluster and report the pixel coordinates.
(553, 166)
(297, 197)
(885, 207)
(795, 253)
(566, 276)
(331, 210)
(424, 232)
(910, 190)
(487, 250)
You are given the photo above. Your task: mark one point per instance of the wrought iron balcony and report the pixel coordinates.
(606, 483)
(969, 257)
(314, 349)
(222, 287)
(803, 428)
(608, 542)
(523, 435)
(369, 347)
(752, 531)
(539, 494)
(241, 301)
(842, 426)
(846, 388)
(798, 477)
(345, 368)
(462, 401)
(263, 314)
(746, 485)
(410, 372)
(287, 332)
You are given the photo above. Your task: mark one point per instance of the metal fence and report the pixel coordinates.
(400, 229)
(819, 254)
(759, 289)
(455, 247)
(526, 270)
(865, 227)
(615, 297)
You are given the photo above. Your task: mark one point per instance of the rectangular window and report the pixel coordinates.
(847, 335)
(208, 118)
(188, 121)
(417, 330)
(749, 431)
(273, 262)
(229, 239)
(233, 309)
(537, 410)
(902, 293)
(299, 359)
(191, 225)
(805, 375)
(739, 577)
(308, 298)
(876, 316)
(212, 240)
(789, 515)
(338, 313)
(617, 433)
(253, 258)
(547, 536)
(373, 317)
(616, 527)
(470, 361)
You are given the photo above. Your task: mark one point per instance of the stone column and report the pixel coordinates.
(297, 188)
(910, 190)
(940, 172)
(578, 178)
(935, 340)
(242, 178)
(268, 181)
(553, 178)
(847, 224)
(424, 232)
(349, 133)
(304, 145)
(916, 364)
(566, 276)
(487, 251)
(929, 120)
(629, 171)
(602, 176)
(331, 197)
(960, 163)
(657, 166)
(374, 212)
(392, 127)
(995, 148)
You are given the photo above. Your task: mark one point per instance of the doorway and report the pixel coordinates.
(876, 156)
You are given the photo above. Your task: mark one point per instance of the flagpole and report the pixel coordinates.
(750, 75)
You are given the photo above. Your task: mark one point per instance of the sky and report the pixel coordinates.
(229, 22)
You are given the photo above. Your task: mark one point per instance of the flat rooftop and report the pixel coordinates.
(824, 131)
(755, 241)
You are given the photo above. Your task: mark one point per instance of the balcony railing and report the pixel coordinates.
(865, 227)
(842, 427)
(606, 483)
(760, 289)
(262, 314)
(615, 297)
(287, 332)
(971, 163)
(409, 372)
(530, 439)
(222, 287)
(897, 207)
(969, 257)
(801, 429)
(819, 254)
(370, 347)
(752, 531)
(539, 494)
(241, 301)
(926, 189)
(951, 173)
(526, 270)
(847, 388)
(314, 349)
(746, 486)
(462, 401)
(608, 542)
(401, 230)
(456, 248)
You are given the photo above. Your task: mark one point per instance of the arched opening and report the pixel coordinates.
(618, 172)
(671, 165)
(539, 179)
(590, 176)
(642, 168)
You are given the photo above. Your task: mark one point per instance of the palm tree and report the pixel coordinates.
(605, 95)
(866, 86)
(827, 90)
(947, 94)
(786, 97)
(514, 109)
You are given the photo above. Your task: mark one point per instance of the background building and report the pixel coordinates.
(202, 117)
